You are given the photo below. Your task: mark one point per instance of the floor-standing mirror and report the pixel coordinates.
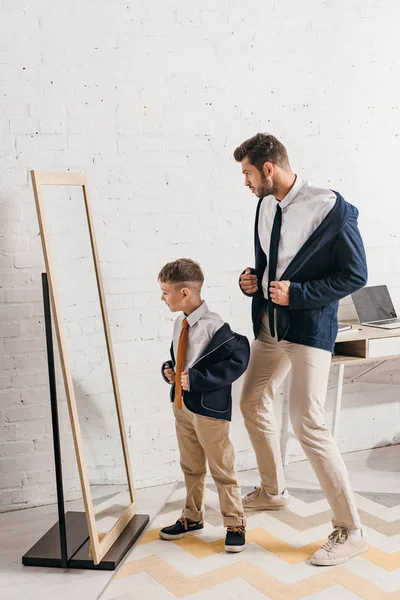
(87, 361)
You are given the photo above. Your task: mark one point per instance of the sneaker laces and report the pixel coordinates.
(236, 528)
(339, 536)
(186, 522)
(254, 494)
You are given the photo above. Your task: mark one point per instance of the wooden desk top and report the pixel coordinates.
(360, 333)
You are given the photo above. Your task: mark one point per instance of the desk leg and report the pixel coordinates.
(285, 422)
(338, 401)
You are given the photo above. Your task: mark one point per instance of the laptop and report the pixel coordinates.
(375, 308)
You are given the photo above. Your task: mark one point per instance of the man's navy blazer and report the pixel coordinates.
(330, 265)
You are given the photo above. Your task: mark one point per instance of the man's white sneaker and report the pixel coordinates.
(339, 548)
(258, 499)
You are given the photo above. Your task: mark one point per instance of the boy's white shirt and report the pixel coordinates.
(203, 325)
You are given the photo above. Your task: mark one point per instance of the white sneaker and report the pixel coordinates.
(339, 548)
(258, 499)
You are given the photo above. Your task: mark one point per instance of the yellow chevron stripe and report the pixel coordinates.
(199, 548)
(390, 562)
(180, 585)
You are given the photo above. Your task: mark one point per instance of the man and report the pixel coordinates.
(308, 255)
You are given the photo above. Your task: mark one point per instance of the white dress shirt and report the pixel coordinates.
(303, 210)
(203, 325)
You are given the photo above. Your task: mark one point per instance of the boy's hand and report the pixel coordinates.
(169, 374)
(185, 381)
(248, 282)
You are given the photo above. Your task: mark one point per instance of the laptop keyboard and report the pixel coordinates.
(388, 322)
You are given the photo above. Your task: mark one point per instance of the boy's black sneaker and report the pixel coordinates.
(235, 540)
(182, 528)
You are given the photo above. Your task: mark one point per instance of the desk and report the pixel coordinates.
(359, 345)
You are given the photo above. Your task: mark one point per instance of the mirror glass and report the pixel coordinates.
(74, 277)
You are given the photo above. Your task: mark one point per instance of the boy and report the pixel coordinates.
(206, 358)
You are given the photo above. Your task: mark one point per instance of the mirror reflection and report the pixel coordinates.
(86, 349)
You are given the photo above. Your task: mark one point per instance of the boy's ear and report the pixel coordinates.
(185, 293)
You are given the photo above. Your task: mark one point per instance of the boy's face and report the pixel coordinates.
(174, 296)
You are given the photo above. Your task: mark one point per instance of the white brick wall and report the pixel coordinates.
(150, 99)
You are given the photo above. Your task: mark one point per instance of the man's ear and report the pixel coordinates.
(268, 168)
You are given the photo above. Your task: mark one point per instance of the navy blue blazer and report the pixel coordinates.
(224, 360)
(330, 265)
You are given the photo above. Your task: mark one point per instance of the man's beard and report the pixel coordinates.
(267, 187)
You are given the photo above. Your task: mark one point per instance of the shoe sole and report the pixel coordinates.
(234, 548)
(269, 508)
(327, 563)
(178, 536)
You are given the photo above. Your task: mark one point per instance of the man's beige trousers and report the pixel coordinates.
(270, 362)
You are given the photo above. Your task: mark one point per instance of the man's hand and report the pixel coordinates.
(185, 381)
(169, 374)
(279, 291)
(248, 283)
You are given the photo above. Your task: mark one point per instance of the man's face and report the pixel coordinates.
(260, 184)
(174, 296)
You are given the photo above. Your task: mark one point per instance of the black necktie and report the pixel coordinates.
(272, 263)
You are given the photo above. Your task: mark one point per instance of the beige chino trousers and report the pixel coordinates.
(270, 362)
(201, 440)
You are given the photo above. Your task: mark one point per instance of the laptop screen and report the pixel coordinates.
(373, 304)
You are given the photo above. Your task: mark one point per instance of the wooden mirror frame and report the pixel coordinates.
(40, 178)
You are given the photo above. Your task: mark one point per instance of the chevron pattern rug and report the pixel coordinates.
(275, 564)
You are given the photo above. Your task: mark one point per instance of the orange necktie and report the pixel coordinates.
(180, 362)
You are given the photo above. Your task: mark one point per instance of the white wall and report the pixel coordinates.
(150, 99)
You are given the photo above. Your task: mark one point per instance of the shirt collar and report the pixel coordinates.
(197, 314)
(291, 194)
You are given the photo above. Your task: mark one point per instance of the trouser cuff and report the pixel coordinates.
(193, 515)
(239, 521)
(350, 525)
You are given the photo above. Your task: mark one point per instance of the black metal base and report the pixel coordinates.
(47, 552)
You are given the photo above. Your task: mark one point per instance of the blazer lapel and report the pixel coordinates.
(260, 256)
(327, 230)
(223, 335)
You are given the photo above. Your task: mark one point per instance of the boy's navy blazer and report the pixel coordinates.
(224, 360)
(330, 265)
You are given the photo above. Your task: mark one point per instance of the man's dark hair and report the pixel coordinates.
(262, 148)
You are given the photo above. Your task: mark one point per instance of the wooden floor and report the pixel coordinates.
(20, 530)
